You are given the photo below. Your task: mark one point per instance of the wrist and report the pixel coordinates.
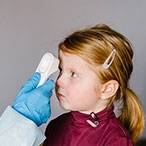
(26, 112)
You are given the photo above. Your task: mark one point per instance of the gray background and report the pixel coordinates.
(30, 28)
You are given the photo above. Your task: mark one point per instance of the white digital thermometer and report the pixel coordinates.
(47, 66)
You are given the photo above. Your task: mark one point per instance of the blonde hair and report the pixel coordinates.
(94, 45)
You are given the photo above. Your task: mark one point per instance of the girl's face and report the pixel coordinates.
(77, 87)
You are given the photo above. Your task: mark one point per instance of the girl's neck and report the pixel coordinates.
(96, 109)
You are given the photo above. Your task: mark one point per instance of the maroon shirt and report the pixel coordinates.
(72, 129)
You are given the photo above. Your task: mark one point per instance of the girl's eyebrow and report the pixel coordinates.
(75, 70)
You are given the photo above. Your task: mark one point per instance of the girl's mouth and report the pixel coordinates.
(60, 95)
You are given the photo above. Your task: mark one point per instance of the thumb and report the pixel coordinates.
(47, 87)
(31, 83)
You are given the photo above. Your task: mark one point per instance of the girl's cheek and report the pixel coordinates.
(72, 87)
(71, 91)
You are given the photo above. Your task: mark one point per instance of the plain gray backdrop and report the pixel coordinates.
(30, 28)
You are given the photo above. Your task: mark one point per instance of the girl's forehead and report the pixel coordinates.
(75, 60)
(71, 59)
(76, 63)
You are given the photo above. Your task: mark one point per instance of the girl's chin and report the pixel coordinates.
(64, 107)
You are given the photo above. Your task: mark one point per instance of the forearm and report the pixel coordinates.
(15, 129)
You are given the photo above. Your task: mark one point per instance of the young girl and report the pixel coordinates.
(95, 68)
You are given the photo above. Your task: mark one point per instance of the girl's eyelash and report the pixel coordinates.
(73, 74)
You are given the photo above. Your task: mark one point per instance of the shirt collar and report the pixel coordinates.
(92, 119)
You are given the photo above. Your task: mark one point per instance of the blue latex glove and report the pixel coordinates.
(34, 103)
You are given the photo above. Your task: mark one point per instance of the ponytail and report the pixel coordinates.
(132, 115)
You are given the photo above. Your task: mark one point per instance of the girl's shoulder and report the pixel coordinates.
(58, 121)
(118, 129)
(117, 134)
(56, 125)
(61, 117)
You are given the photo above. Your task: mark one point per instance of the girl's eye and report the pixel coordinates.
(74, 75)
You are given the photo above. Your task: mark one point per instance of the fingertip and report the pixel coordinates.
(34, 80)
(37, 74)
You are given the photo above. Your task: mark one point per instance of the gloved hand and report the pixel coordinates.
(34, 103)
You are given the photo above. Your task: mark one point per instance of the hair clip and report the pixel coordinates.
(106, 64)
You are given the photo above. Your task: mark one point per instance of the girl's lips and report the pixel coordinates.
(60, 95)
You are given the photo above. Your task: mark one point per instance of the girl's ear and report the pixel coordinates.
(109, 89)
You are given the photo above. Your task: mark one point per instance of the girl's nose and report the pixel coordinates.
(60, 82)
